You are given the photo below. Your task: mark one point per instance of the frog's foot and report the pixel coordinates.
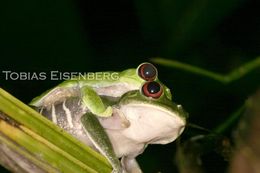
(130, 165)
(118, 171)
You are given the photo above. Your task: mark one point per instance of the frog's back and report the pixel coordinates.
(114, 84)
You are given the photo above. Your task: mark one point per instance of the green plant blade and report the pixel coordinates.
(41, 137)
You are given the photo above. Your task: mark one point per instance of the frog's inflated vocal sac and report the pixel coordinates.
(136, 111)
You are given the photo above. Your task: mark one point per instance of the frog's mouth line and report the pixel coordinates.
(167, 139)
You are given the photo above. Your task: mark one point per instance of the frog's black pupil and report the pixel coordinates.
(153, 87)
(149, 71)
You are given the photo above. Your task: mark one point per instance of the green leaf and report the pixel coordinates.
(44, 144)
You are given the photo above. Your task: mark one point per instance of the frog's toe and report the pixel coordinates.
(118, 171)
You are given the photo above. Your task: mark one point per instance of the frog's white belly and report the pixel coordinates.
(67, 115)
(124, 146)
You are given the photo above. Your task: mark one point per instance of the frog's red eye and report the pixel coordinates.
(147, 71)
(152, 89)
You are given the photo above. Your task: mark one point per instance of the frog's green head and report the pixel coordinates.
(154, 118)
(143, 73)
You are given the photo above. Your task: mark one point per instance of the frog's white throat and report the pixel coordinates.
(152, 124)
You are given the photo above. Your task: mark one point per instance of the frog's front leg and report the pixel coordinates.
(100, 139)
(130, 165)
(93, 102)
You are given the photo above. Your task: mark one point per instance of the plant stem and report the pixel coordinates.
(230, 120)
(224, 78)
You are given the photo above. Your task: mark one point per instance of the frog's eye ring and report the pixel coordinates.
(152, 89)
(147, 71)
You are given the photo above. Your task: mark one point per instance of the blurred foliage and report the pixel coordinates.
(84, 36)
(247, 154)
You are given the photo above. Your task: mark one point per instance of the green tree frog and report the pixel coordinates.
(139, 117)
(90, 86)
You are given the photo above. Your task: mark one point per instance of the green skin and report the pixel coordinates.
(165, 122)
(89, 88)
(125, 87)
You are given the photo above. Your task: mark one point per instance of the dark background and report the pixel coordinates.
(88, 36)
